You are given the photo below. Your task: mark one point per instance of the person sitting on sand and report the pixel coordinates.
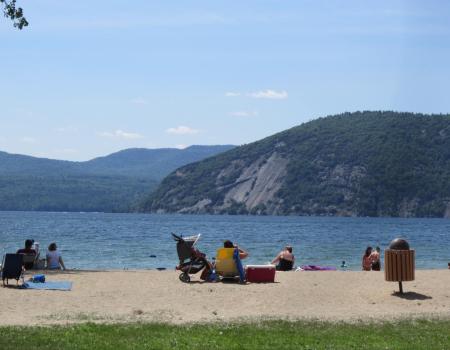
(54, 258)
(375, 257)
(284, 260)
(28, 250)
(242, 253)
(366, 260)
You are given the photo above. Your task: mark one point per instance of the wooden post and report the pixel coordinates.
(400, 286)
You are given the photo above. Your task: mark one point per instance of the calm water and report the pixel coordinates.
(117, 241)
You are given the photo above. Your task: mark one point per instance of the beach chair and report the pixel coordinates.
(29, 261)
(12, 267)
(225, 264)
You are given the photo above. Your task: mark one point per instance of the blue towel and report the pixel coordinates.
(56, 285)
(239, 266)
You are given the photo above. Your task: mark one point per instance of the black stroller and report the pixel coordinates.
(186, 250)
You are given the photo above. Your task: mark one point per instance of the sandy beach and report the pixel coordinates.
(146, 296)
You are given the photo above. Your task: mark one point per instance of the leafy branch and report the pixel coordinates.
(15, 13)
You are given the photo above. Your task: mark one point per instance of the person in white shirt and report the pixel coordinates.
(54, 258)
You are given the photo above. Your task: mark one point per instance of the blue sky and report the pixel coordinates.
(88, 78)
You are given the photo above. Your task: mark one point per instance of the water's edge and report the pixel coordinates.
(120, 241)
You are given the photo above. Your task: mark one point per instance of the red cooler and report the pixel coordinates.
(260, 273)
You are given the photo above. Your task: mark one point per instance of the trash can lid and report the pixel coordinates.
(399, 244)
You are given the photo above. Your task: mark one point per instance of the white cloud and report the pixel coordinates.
(139, 101)
(120, 134)
(180, 146)
(128, 135)
(244, 114)
(232, 94)
(27, 139)
(182, 130)
(269, 94)
(67, 129)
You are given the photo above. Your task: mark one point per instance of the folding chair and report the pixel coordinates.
(12, 267)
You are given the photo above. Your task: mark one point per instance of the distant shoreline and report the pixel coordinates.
(222, 214)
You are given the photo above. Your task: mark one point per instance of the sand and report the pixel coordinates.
(147, 296)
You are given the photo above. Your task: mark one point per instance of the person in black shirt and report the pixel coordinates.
(28, 250)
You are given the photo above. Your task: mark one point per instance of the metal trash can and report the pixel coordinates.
(399, 262)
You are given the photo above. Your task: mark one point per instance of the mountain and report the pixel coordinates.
(149, 163)
(352, 164)
(133, 162)
(17, 164)
(111, 183)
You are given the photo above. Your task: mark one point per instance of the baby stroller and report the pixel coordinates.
(186, 250)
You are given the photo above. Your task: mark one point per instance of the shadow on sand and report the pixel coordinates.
(412, 296)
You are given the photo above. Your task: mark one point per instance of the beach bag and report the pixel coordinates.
(38, 279)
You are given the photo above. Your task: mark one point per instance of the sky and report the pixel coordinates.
(88, 78)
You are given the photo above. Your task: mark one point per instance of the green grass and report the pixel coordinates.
(419, 334)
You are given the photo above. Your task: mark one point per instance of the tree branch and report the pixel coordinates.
(14, 13)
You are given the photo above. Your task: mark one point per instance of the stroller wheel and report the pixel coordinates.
(184, 277)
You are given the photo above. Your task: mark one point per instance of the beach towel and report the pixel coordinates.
(317, 268)
(56, 285)
(239, 266)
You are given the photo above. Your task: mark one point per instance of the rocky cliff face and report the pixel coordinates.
(255, 187)
(359, 164)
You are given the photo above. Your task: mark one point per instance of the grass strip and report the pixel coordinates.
(417, 334)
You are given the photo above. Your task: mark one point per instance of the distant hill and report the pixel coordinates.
(17, 164)
(352, 164)
(111, 183)
(149, 163)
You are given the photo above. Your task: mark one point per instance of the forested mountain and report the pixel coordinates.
(352, 164)
(111, 183)
(17, 164)
(149, 163)
(136, 162)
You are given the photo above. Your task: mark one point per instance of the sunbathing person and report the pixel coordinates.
(242, 253)
(285, 259)
(28, 250)
(54, 258)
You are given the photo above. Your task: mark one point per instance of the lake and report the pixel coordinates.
(127, 241)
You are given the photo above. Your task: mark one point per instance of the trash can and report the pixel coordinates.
(399, 262)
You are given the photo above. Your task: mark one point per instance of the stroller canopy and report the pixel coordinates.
(185, 245)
